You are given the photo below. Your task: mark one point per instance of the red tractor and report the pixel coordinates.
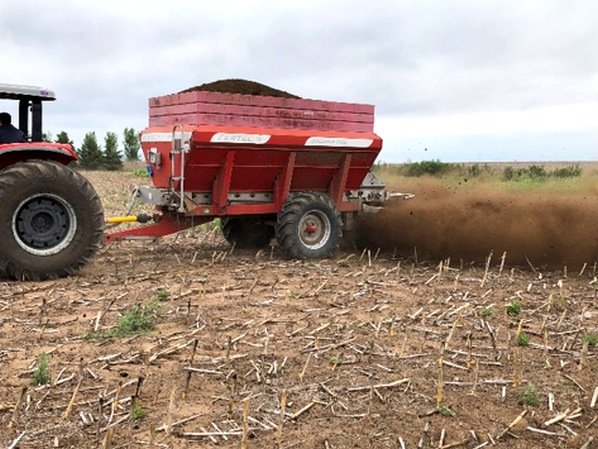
(285, 168)
(51, 219)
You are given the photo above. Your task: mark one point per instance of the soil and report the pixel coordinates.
(354, 344)
(241, 86)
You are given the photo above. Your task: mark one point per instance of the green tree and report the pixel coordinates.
(63, 137)
(112, 157)
(90, 154)
(47, 137)
(131, 144)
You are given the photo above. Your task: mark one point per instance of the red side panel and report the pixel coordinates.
(212, 108)
(257, 158)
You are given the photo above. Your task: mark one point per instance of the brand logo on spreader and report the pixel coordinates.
(338, 142)
(255, 139)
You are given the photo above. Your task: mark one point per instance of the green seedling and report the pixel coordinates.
(530, 396)
(163, 295)
(334, 361)
(41, 376)
(445, 410)
(522, 339)
(487, 312)
(513, 308)
(592, 340)
(138, 411)
(140, 319)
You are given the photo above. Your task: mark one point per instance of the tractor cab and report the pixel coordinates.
(30, 99)
(51, 219)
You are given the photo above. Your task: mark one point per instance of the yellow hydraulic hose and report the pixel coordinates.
(126, 219)
(142, 218)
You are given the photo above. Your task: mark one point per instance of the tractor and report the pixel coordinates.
(51, 218)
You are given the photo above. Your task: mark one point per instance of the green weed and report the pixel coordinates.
(513, 308)
(571, 171)
(592, 340)
(539, 173)
(445, 410)
(523, 339)
(139, 319)
(559, 303)
(163, 295)
(427, 168)
(140, 173)
(41, 376)
(477, 170)
(533, 172)
(487, 312)
(138, 411)
(530, 396)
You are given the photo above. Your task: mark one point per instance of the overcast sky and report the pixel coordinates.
(477, 80)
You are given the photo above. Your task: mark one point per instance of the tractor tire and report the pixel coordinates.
(309, 226)
(51, 221)
(246, 232)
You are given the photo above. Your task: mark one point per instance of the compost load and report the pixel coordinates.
(240, 86)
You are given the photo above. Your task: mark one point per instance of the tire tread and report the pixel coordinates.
(23, 172)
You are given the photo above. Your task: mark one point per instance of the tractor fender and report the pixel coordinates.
(18, 152)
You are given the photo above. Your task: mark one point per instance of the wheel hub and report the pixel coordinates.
(44, 224)
(314, 229)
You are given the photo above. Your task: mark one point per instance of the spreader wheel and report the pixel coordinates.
(309, 226)
(51, 220)
(247, 232)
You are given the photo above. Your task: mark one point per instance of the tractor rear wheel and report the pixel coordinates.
(309, 226)
(51, 220)
(246, 232)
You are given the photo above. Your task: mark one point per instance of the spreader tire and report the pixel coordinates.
(309, 226)
(246, 232)
(51, 221)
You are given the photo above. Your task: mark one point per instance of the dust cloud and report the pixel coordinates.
(548, 229)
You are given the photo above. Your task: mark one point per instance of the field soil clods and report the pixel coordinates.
(185, 342)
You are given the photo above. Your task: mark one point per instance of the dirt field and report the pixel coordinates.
(371, 349)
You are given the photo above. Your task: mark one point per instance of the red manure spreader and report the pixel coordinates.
(268, 167)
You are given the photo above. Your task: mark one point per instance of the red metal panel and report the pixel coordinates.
(253, 179)
(259, 122)
(222, 182)
(225, 159)
(259, 101)
(235, 209)
(339, 180)
(167, 225)
(284, 137)
(348, 206)
(255, 111)
(282, 185)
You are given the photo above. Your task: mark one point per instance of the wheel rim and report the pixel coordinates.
(314, 229)
(44, 224)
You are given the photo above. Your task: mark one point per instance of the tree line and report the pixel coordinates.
(93, 156)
